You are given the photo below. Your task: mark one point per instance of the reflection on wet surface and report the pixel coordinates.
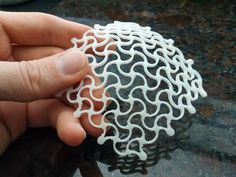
(204, 143)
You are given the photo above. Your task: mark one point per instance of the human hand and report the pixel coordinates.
(33, 67)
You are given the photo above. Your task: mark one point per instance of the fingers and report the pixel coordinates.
(87, 125)
(12, 122)
(96, 119)
(31, 80)
(70, 129)
(40, 29)
(54, 113)
(26, 53)
(89, 128)
(5, 51)
(13, 115)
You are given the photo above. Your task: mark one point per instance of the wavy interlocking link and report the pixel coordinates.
(147, 74)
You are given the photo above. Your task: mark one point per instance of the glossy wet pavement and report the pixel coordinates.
(204, 144)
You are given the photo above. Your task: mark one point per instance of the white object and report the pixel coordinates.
(146, 73)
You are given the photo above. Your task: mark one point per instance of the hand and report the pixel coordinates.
(33, 67)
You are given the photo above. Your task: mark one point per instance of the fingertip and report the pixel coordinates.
(70, 130)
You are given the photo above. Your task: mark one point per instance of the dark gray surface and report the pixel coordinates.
(31, 6)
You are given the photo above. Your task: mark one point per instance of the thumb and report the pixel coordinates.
(37, 79)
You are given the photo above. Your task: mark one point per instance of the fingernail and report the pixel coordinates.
(71, 62)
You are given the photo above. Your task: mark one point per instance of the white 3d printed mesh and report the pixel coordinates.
(149, 80)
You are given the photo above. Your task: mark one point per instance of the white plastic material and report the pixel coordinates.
(148, 78)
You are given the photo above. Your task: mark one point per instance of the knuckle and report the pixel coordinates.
(44, 22)
(31, 76)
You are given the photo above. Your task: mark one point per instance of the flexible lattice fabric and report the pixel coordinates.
(149, 81)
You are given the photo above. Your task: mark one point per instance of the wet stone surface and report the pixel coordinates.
(204, 144)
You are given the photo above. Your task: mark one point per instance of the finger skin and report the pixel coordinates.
(55, 114)
(30, 36)
(37, 79)
(13, 122)
(32, 28)
(38, 29)
(26, 53)
(70, 130)
(14, 117)
(5, 51)
(89, 128)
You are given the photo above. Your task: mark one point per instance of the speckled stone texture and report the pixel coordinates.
(11, 2)
(204, 144)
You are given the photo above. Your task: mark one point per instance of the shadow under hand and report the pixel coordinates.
(85, 157)
(39, 152)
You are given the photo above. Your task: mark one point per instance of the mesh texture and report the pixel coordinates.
(149, 81)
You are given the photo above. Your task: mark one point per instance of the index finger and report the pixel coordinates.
(40, 29)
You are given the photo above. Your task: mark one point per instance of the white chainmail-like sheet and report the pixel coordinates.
(149, 80)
